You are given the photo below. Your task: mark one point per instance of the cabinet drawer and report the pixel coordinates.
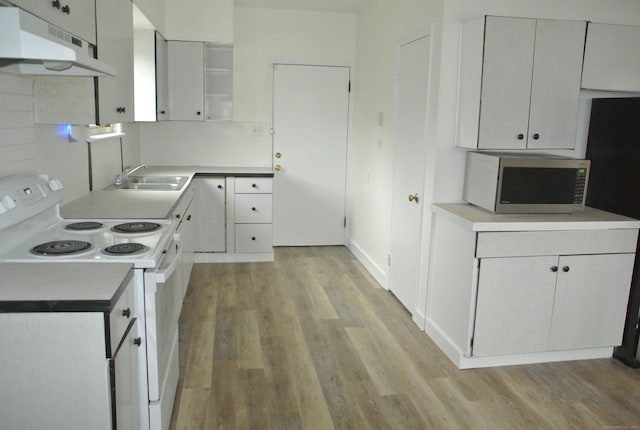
(530, 243)
(253, 238)
(122, 314)
(253, 185)
(252, 208)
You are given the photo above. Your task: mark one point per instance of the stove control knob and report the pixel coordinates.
(55, 185)
(8, 203)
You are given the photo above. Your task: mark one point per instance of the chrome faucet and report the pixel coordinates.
(122, 178)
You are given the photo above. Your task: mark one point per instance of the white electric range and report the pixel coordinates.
(32, 230)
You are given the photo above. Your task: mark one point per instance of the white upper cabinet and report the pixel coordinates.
(75, 16)
(115, 47)
(519, 83)
(612, 58)
(162, 79)
(186, 80)
(206, 20)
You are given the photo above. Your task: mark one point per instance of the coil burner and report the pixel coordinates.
(136, 227)
(83, 226)
(61, 247)
(125, 249)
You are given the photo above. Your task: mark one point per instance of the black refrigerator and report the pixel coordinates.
(613, 146)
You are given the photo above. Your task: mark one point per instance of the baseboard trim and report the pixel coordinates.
(376, 271)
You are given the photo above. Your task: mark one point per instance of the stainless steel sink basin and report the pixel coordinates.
(153, 183)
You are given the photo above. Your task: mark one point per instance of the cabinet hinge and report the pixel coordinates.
(471, 343)
(349, 85)
(344, 224)
(389, 260)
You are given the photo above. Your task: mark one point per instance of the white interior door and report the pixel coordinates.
(409, 166)
(310, 118)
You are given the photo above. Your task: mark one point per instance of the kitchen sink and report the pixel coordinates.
(155, 183)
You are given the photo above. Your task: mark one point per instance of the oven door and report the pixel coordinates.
(163, 302)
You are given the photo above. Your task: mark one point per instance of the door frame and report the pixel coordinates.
(417, 313)
(270, 98)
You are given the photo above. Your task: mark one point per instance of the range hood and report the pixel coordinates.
(31, 46)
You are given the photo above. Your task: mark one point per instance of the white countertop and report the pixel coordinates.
(478, 219)
(60, 285)
(144, 204)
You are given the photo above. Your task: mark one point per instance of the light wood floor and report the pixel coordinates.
(312, 342)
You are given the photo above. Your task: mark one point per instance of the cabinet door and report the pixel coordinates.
(555, 88)
(127, 385)
(186, 230)
(75, 16)
(210, 215)
(162, 79)
(591, 301)
(506, 82)
(115, 47)
(186, 80)
(612, 58)
(514, 305)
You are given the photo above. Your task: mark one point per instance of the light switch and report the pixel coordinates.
(55, 185)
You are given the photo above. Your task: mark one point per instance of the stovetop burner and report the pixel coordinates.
(61, 247)
(125, 249)
(83, 225)
(136, 227)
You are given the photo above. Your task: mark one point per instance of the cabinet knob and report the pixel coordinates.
(536, 136)
(253, 238)
(253, 209)
(189, 217)
(66, 9)
(254, 186)
(163, 112)
(56, 4)
(137, 341)
(278, 155)
(520, 136)
(414, 198)
(554, 269)
(219, 187)
(566, 269)
(198, 113)
(126, 312)
(277, 168)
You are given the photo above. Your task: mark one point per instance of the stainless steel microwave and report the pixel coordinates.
(508, 183)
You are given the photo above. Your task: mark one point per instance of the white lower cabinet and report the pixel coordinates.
(546, 288)
(252, 215)
(71, 369)
(210, 214)
(559, 302)
(233, 219)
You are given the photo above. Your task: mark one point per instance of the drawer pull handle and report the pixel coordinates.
(126, 312)
(219, 187)
(254, 186)
(253, 238)
(565, 269)
(137, 341)
(554, 269)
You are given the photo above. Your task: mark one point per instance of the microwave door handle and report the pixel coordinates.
(163, 275)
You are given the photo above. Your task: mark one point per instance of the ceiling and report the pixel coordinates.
(348, 6)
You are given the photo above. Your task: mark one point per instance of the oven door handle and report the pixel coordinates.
(163, 275)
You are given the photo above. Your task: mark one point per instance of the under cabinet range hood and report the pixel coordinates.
(31, 46)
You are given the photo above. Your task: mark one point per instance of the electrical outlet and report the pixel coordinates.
(257, 130)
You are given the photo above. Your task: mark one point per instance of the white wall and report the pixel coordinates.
(261, 37)
(382, 27)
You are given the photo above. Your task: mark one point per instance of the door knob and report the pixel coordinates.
(277, 168)
(414, 198)
(278, 155)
